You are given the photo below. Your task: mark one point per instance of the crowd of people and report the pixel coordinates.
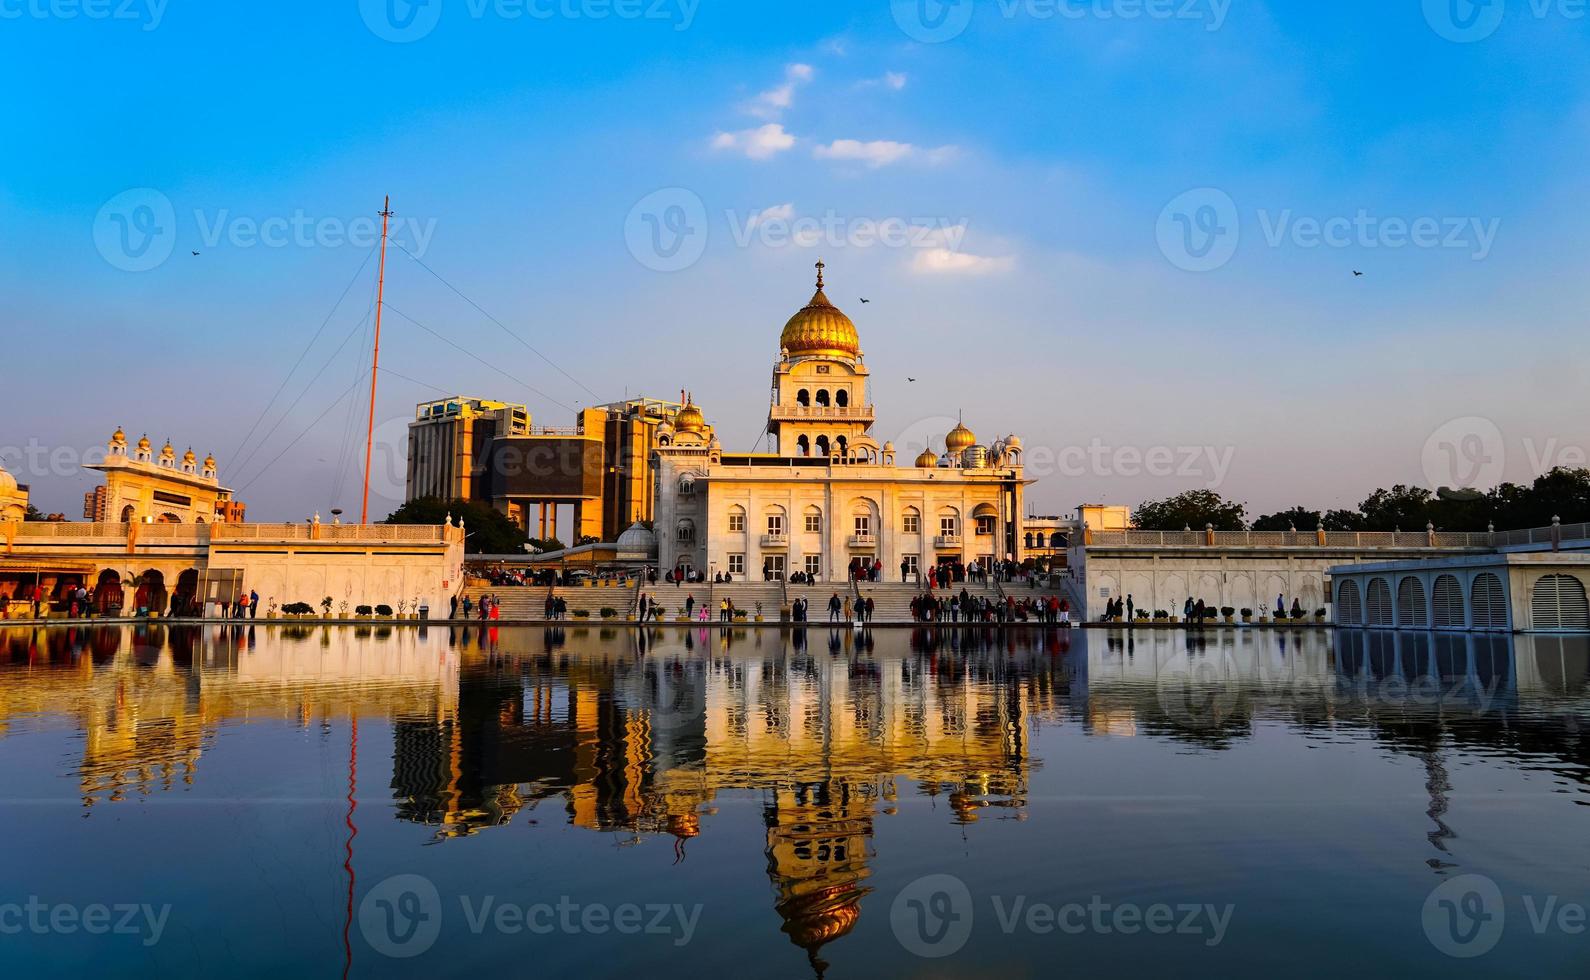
(963, 607)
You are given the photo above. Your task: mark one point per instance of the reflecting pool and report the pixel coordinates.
(315, 801)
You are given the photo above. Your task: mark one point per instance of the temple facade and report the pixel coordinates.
(829, 496)
(144, 488)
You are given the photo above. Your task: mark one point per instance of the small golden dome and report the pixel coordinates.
(143, 444)
(928, 460)
(167, 452)
(690, 419)
(960, 438)
(209, 462)
(189, 458)
(820, 329)
(118, 438)
(8, 483)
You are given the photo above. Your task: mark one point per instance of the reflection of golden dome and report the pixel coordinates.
(690, 419)
(810, 921)
(927, 460)
(960, 438)
(820, 329)
(684, 825)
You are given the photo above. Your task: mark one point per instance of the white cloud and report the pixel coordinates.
(761, 143)
(881, 153)
(772, 103)
(944, 261)
(894, 79)
(778, 212)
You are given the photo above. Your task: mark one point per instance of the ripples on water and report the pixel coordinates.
(793, 788)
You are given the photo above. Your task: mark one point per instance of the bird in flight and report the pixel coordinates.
(911, 380)
(865, 300)
(1357, 273)
(195, 253)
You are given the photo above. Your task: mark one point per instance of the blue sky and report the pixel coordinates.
(1121, 229)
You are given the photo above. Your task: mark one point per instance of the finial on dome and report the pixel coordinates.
(820, 268)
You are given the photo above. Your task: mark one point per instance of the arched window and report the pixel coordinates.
(1029, 539)
(736, 519)
(822, 445)
(1557, 602)
(1057, 540)
(128, 515)
(1448, 602)
(841, 398)
(803, 446)
(685, 531)
(822, 396)
(803, 397)
(1349, 606)
(814, 520)
(1379, 605)
(984, 518)
(1490, 605)
(1411, 607)
(949, 523)
(842, 447)
(687, 485)
(911, 521)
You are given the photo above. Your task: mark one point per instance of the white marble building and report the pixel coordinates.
(828, 493)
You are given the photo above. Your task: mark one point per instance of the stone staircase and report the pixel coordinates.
(745, 596)
(892, 600)
(817, 595)
(529, 602)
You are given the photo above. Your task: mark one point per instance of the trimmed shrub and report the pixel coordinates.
(362, 610)
(383, 610)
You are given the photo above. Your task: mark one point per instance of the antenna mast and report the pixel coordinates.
(375, 360)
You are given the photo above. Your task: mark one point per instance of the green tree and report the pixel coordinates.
(490, 532)
(1192, 508)
(1299, 517)
(1400, 508)
(33, 514)
(1563, 493)
(1344, 520)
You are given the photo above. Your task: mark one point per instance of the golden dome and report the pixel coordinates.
(118, 438)
(690, 419)
(8, 483)
(167, 452)
(209, 461)
(820, 329)
(927, 460)
(143, 444)
(960, 438)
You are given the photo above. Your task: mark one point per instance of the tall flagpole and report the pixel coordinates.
(375, 361)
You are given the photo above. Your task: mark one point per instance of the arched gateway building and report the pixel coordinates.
(829, 495)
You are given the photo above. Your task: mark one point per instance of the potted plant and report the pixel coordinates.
(582, 614)
(270, 611)
(1319, 615)
(403, 609)
(383, 611)
(683, 615)
(759, 612)
(363, 612)
(1247, 615)
(608, 612)
(1228, 613)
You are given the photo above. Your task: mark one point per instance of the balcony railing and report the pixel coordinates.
(1289, 539)
(203, 534)
(775, 541)
(863, 541)
(805, 413)
(944, 541)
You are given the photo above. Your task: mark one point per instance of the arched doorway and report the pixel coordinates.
(184, 600)
(150, 596)
(108, 597)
